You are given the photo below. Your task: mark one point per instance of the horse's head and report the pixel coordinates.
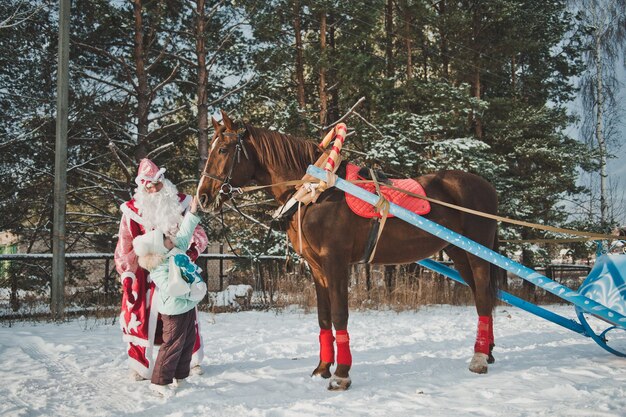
(228, 165)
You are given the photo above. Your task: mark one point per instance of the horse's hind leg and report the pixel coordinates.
(476, 272)
(338, 277)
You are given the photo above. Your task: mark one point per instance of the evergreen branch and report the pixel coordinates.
(119, 161)
(369, 124)
(165, 81)
(23, 136)
(342, 118)
(17, 15)
(98, 175)
(112, 84)
(127, 70)
(168, 113)
(231, 92)
(122, 129)
(228, 35)
(156, 152)
(159, 57)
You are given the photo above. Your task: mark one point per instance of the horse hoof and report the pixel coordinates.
(491, 359)
(338, 383)
(478, 363)
(324, 373)
(323, 370)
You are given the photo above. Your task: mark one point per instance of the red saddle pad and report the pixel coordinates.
(363, 209)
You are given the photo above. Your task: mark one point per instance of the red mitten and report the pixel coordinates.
(128, 289)
(192, 252)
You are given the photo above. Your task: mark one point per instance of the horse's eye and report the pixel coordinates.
(223, 151)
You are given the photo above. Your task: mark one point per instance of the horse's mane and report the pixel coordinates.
(277, 148)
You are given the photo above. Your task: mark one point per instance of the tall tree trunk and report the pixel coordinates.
(389, 39)
(201, 89)
(425, 57)
(513, 76)
(476, 80)
(407, 40)
(443, 34)
(476, 87)
(388, 84)
(333, 107)
(143, 99)
(599, 132)
(322, 86)
(297, 26)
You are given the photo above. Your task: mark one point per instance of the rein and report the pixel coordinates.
(588, 235)
(269, 230)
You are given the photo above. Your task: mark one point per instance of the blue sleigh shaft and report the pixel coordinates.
(481, 251)
(508, 298)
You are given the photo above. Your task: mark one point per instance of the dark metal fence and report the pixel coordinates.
(92, 284)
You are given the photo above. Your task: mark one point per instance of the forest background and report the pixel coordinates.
(482, 86)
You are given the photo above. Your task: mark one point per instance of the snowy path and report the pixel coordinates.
(257, 364)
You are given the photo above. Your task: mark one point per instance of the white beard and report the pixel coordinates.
(160, 210)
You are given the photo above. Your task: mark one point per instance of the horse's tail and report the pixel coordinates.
(497, 274)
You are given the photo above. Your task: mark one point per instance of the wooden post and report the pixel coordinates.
(60, 164)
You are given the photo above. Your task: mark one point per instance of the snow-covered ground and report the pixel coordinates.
(258, 364)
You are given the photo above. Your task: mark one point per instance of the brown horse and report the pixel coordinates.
(333, 237)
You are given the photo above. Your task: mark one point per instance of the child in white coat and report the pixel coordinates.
(178, 298)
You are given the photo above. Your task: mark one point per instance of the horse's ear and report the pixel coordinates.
(216, 124)
(227, 122)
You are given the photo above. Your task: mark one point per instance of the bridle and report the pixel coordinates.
(226, 187)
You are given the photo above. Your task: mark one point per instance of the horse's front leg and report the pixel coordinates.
(326, 338)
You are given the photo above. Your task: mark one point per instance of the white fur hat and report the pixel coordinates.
(149, 243)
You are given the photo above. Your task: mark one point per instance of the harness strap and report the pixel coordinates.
(371, 240)
(382, 206)
(500, 218)
(299, 229)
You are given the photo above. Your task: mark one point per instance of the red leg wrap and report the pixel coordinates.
(491, 339)
(327, 349)
(482, 336)
(344, 357)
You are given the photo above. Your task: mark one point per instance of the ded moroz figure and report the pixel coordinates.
(156, 204)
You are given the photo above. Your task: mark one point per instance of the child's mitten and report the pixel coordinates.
(191, 271)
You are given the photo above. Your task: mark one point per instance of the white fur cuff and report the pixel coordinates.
(127, 274)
